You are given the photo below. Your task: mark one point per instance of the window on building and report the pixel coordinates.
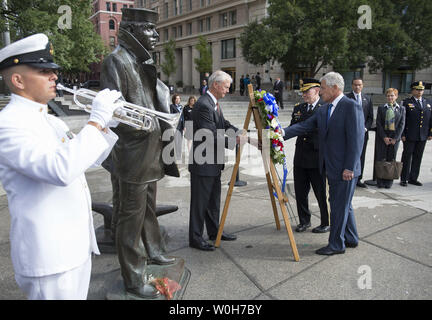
(202, 3)
(166, 35)
(223, 20)
(156, 57)
(108, 6)
(189, 28)
(131, 6)
(114, 7)
(349, 76)
(208, 23)
(180, 6)
(175, 7)
(398, 79)
(125, 6)
(228, 48)
(111, 24)
(189, 5)
(180, 31)
(233, 17)
(112, 42)
(174, 32)
(166, 10)
(201, 25)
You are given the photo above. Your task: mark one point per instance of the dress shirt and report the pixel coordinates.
(335, 102)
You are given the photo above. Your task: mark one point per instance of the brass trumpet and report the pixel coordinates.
(128, 113)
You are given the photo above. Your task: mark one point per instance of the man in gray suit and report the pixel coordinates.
(340, 127)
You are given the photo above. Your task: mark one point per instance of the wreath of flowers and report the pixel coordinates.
(268, 109)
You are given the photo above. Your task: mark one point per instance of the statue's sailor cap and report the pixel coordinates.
(35, 51)
(137, 15)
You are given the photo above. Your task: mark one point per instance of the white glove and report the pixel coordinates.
(103, 106)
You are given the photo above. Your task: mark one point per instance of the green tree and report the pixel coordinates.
(205, 62)
(314, 33)
(169, 65)
(75, 48)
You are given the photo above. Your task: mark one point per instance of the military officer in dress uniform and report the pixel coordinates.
(418, 129)
(42, 167)
(306, 169)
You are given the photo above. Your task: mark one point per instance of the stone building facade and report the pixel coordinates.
(222, 22)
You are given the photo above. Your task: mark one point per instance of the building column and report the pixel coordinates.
(187, 65)
(195, 73)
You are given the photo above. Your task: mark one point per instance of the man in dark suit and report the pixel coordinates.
(366, 103)
(207, 161)
(258, 81)
(418, 129)
(278, 91)
(340, 131)
(306, 170)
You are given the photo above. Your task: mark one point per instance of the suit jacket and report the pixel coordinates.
(137, 156)
(42, 171)
(181, 124)
(399, 122)
(211, 126)
(367, 107)
(278, 88)
(340, 140)
(306, 153)
(418, 123)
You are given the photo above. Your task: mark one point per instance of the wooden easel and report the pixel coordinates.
(271, 176)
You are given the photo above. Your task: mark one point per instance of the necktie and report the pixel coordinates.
(329, 111)
(217, 107)
(420, 103)
(309, 108)
(359, 100)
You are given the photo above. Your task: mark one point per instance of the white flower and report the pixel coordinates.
(274, 123)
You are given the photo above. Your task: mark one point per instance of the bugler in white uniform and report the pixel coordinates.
(42, 167)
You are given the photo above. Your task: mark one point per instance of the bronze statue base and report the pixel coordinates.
(177, 272)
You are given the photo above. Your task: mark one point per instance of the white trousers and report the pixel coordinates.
(69, 285)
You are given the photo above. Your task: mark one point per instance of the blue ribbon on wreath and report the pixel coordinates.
(273, 107)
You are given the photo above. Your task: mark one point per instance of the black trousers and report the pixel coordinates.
(303, 179)
(279, 100)
(204, 207)
(363, 155)
(411, 157)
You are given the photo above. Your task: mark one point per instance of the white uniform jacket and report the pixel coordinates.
(42, 169)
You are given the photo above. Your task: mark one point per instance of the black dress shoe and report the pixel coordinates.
(403, 183)
(351, 245)
(225, 237)
(204, 246)
(361, 184)
(416, 183)
(302, 227)
(326, 251)
(162, 260)
(321, 229)
(146, 292)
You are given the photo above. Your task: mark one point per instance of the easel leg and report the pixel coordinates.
(284, 213)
